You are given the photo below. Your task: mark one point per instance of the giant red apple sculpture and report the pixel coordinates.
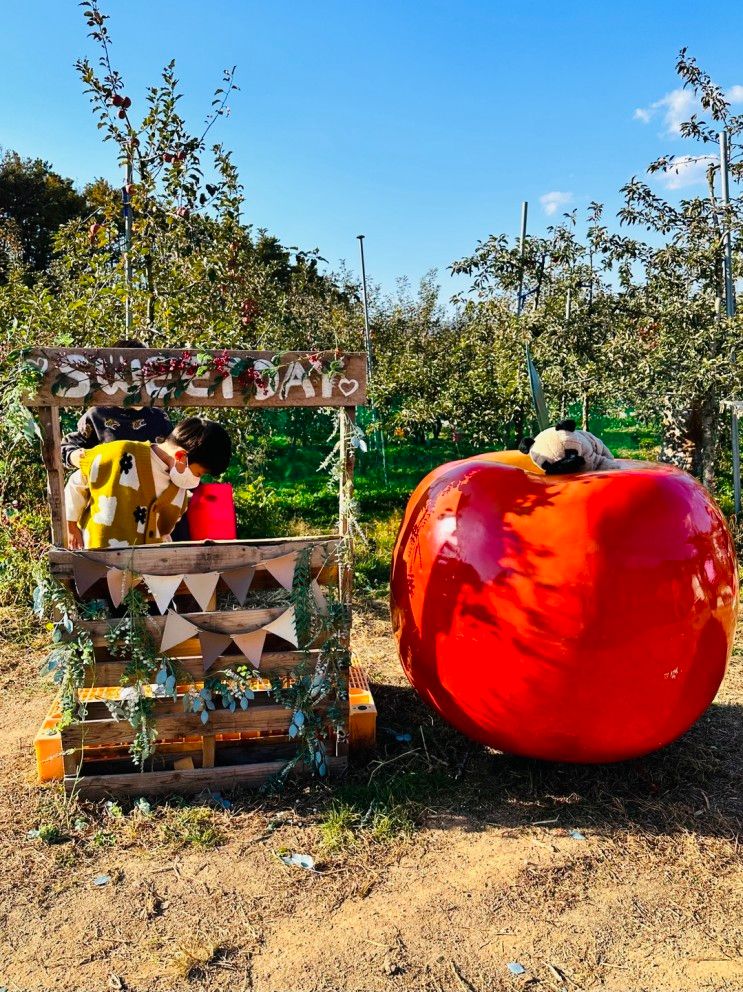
(586, 617)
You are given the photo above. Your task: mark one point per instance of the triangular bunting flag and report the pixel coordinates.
(319, 596)
(86, 573)
(163, 588)
(201, 585)
(212, 646)
(282, 569)
(239, 581)
(176, 630)
(115, 583)
(284, 626)
(119, 583)
(251, 645)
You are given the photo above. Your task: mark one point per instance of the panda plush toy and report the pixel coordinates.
(562, 449)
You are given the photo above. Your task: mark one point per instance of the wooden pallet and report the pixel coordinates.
(99, 766)
(245, 747)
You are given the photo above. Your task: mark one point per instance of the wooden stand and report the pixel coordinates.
(245, 747)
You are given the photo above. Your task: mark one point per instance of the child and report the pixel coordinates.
(134, 492)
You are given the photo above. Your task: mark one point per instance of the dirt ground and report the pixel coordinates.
(474, 864)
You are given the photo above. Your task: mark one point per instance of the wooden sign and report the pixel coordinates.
(169, 377)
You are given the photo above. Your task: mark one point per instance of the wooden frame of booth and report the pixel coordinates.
(244, 747)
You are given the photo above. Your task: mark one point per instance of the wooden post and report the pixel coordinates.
(347, 462)
(207, 749)
(51, 441)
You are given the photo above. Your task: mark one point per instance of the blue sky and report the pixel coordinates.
(421, 125)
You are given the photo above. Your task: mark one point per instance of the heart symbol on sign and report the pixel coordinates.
(348, 386)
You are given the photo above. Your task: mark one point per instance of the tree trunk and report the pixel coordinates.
(710, 434)
(584, 413)
(689, 438)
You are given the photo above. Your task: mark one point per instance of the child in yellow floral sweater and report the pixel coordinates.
(134, 492)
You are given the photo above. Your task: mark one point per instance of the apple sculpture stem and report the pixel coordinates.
(585, 618)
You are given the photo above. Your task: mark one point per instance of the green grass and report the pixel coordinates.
(290, 494)
(347, 824)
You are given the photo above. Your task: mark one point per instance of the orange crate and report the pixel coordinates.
(362, 720)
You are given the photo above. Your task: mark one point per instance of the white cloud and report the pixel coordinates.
(678, 106)
(686, 170)
(551, 202)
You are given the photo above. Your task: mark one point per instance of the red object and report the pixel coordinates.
(211, 513)
(584, 618)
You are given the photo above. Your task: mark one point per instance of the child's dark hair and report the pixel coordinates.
(207, 443)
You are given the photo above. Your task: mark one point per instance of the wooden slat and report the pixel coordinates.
(349, 389)
(275, 719)
(195, 556)
(183, 782)
(108, 673)
(48, 420)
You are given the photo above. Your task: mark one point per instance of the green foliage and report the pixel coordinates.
(373, 558)
(316, 696)
(23, 536)
(259, 511)
(34, 202)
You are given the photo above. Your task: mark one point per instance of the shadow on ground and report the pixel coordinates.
(693, 785)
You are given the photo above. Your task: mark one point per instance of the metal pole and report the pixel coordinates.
(126, 201)
(522, 247)
(728, 257)
(367, 335)
(736, 462)
(369, 360)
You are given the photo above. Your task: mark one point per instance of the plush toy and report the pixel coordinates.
(562, 449)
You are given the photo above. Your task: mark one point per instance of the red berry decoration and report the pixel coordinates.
(167, 157)
(585, 617)
(121, 115)
(126, 103)
(117, 100)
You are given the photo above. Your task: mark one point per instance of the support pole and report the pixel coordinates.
(369, 358)
(522, 248)
(127, 206)
(727, 237)
(47, 418)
